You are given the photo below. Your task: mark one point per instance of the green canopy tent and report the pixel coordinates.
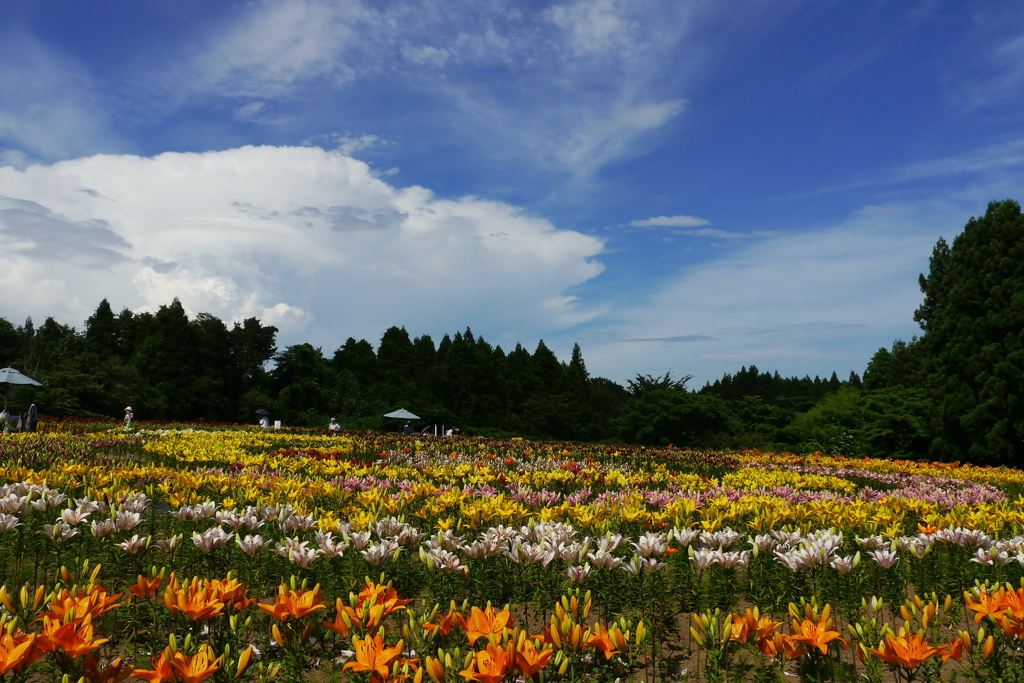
(402, 414)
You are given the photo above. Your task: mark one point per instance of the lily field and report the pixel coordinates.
(190, 552)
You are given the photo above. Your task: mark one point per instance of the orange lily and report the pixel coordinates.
(161, 671)
(954, 649)
(765, 631)
(490, 665)
(753, 623)
(375, 594)
(295, 604)
(231, 592)
(17, 651)
(485, 623)
(1011, 625)
(71, 640)
(817, 634)
(95, 601)
(174, 666)
(906, 651)
(194, 669)
(987, 605)
(790, 647)
(371, 655)
(145, 588)
(529, 660)
(741, 627)
(196, 600)
(445, 624)
(601, 639)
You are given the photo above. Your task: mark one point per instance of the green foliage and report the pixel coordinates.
(967, 369)
(167, 366)
(974, 339)
(661, 416)
(830, 425)
(896, 422)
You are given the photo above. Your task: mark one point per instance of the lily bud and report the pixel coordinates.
(435, 670)
(965, 637)
(695, 635)
(244, 661)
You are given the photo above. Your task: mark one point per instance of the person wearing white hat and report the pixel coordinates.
(128, 417)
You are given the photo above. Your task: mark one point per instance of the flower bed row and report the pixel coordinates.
(739, 566)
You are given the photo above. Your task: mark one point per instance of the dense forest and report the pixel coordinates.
(954, 393)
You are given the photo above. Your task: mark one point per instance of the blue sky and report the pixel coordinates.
(676, 185)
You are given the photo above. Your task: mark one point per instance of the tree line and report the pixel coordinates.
(168, 366)
(953, 393)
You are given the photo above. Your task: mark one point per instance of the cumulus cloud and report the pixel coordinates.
(33, 230)
(309, 240)
(287, 317)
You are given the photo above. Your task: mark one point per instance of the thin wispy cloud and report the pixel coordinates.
(588, 74)
(670, 222)
(48, 106)
(784, 300)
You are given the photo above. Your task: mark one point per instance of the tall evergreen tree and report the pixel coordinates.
(973, 318)
(11, 343)
(546, 367)
(101, 331)
(253, 345)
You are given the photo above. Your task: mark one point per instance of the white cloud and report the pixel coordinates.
(805, 302)
(31, 290)
(48, 104)
(670, 222)
(310, 240)
(691, 226)
(573, 87)
(283, 316)
(266, 52)
(594, 25)
(262, 113)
